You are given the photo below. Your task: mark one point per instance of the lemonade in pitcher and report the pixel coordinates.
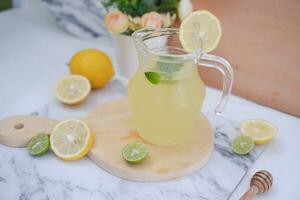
(166, 112)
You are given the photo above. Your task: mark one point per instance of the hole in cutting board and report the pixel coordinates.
(19, 126)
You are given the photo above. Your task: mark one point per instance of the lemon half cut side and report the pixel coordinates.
(72, 89)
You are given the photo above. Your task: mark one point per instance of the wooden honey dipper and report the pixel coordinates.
(260, 182)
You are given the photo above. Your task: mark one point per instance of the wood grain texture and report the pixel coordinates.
(250, 194)
(16, 131)
(113, 129)
(261, 182)
(261, 41)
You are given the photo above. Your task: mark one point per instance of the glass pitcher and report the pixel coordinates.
(166, 112)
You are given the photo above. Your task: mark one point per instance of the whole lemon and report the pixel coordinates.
(95, 65)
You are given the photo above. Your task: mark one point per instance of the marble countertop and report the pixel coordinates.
(32, 50)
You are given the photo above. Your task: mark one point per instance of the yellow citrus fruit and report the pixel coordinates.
(72, 89)
(259, 130)
(95, 65)
(200, 29)
(71, 139)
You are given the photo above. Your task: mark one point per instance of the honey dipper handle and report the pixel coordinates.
(250, 193)
(16, 131)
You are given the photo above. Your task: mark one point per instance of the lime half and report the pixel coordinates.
(242, 145)
(135, 152)
(39, 144)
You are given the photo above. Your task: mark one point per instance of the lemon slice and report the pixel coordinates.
(200, 29)
(259, 130)
(72, 89)
(71, 139)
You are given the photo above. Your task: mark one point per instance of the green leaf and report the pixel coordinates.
(134, 3)
(5, 4)
(169, 67)
(140, 7)
(146, 6)
(153, 77)
(108, 3)
(168, 6)
(128, 9)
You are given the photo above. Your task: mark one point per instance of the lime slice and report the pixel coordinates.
(259, 130)
(135, 152)
(242, 145)
(200, 29)
(39, 144)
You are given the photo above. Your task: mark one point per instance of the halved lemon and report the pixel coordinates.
(71, 139)
(200, 29)
(259, 130)
(72, 89)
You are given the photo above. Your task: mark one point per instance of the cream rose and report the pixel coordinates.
(116, 21)
(134, 23)
(152, 19)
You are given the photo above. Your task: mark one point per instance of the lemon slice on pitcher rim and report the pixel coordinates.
(72, 89)
(71, 139)
(259, 130)
(200, 29)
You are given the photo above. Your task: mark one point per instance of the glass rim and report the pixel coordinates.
(144, 34)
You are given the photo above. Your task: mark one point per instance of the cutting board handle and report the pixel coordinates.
(16, 131)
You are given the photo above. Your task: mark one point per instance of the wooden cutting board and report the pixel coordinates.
(113, 129)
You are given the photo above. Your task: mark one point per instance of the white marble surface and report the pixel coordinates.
(215, 181)
(32, 52)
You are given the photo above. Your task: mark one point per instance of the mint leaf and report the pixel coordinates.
(153, 77)
(169, 67)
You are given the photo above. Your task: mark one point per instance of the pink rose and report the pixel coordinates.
(152, 20)
(116, 21)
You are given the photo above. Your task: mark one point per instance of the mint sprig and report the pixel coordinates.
(169, 68)
(153, 77)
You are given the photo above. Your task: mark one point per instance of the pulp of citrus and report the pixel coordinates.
(71, 139)
(200, 29)
(39, 144)
(259, 130)
(95, 65)
(72, 89)
(135, 152)
(242, 145)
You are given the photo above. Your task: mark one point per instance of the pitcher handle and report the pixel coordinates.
(222, 65)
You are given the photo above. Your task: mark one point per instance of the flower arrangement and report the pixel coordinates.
(127, 16)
